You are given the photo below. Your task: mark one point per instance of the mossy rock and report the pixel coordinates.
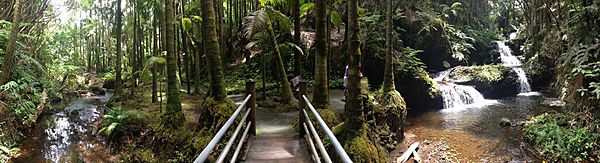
(540, 69)
(109, 83)
(215, 114)
(359, 146)
(414, 83)
(389, 113)
(493, 81)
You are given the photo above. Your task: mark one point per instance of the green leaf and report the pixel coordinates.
(456, 5)
(4, 149)
(304, 8)
(186, 24)
(336, 19)
(111, 128)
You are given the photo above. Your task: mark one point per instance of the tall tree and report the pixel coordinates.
(321, 89)
(155, 53)
(173, 116)
(354, 132)
(388, 78)
(118, 80)
(393, 106)
(297, 34)
(217, 107)
(11, 47)
(212, 48)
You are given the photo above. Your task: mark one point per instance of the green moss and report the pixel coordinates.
(487, 73)
(360, 147)
(215, 114)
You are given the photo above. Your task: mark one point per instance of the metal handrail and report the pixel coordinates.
(215, 140)
(336, 144)
(221, 157)
(313, 151)
(317, 138)
(241, 143)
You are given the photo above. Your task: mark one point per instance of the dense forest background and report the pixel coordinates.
(146, 51)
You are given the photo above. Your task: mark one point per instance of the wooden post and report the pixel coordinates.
(251, 89)
(303, 85)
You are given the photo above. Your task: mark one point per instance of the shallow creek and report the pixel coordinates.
(67, 132)
(474, 133)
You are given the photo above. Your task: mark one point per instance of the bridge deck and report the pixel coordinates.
(283, 148)
(276, 140)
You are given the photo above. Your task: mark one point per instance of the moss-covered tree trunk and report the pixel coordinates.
(392, 110)
(173, 116)
(354, 137)
(11, 47)
(286, 90)
(321, 89)
(198, 61)
(217, 107)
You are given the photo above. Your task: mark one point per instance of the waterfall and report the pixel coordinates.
(457, 97)
(508, 59)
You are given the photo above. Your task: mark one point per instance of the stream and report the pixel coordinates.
(67, 133)
(474, 133)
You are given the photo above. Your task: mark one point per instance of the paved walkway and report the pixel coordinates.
(276, 141)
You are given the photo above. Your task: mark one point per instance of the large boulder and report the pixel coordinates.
(540, 69)
(109, 83)
(413, 82)
(493, 81)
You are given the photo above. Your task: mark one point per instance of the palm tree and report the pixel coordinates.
(260, 22)
(393, 106)
(10, 48)
(217, 107)
(173, 116)
(297, 34)
(353, 134)
(321, 89)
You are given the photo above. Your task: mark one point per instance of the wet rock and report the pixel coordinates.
(505, 122)
(554, 102)
(109, 84)
(97, 90)
(414, 84)
(54, 99)
(492, 81)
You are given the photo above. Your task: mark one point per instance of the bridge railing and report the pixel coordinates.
(248, 121)
(312, 137)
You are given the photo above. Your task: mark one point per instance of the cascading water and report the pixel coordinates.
(456, 96)
(512, 61)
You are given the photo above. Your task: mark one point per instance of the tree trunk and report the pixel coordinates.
(388, 78)
(173, 116)
(155, 54)
(11, 47)
(354, 113)
(198, 61)
(213, 51)
(118, 79)
(297, 34)
(286, 90)
(321, 89)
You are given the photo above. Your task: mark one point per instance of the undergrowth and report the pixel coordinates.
(564, 137)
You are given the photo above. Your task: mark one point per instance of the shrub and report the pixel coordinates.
(561, 137)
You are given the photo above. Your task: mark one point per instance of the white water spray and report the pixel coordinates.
(508, 59)
(458, 97)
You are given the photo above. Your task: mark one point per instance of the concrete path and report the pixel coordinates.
(276, 141)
